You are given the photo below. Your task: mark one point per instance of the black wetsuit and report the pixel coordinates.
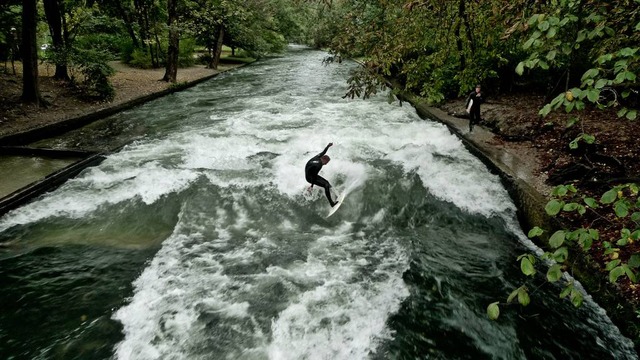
(474, 114)
(311, 171)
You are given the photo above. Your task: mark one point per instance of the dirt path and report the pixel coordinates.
(129, 83)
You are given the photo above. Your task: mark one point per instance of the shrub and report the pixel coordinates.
(96, 71)
(187, 49)
(141, 59)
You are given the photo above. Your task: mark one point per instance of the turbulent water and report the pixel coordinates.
(198, 240)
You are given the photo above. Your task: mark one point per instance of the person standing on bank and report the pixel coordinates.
(312, 169)
(473, 107)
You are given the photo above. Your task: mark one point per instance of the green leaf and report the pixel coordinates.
(576, 298)
(566, 291)
(632, 114)
(536, 231)
(585, 239)
(591, 73)
(620, 78)
(609, 197)
(513, 295)
(630, 274)
(551, 55)
(586, 242)
(601, 83)
(523, 297)
(622, 242)
(593, 94)
(621, 208)
(561, 254)
(612, 264)
(604, 58)
(545, 110)
(630, 75)
(634, 261)
(589, 139)
(543, 26)
(582, 210)
(582, 34)
(527, 267)
(552, 32)
(574, 144)
(573, 235)
(533, 19)
(557, 239)
(553, 207)
(622, 112)
(591, 202)
(569, 107)
(570, 207)
(628, 51)
(554, 273)
(493, 311)
(560, 190)
(635, 216)
(520, 68)
(615, 273)
(557, 100)
(528, 43)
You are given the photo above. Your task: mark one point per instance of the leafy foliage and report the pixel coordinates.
(623, 202)
(95, 70)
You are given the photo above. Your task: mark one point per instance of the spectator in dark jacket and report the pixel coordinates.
(473, 107)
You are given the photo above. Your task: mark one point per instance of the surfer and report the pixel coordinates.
(312, 169)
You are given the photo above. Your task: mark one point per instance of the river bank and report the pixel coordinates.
(537, 153)
(66, 104)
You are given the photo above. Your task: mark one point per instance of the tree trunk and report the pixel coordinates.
(54, 19)
(30, 91)
(215, 61)
(456, 31)
(128, 23)
(467, 27)
(171, 72)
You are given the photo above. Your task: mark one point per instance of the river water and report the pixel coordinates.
(197, 240)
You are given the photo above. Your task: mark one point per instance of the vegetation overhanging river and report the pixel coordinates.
(197, 240)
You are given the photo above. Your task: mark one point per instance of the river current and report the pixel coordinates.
(197, 239)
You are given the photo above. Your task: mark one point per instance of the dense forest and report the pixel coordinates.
(579, 54)
(437, 49)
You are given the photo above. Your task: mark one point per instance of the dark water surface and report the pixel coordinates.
(197, 240)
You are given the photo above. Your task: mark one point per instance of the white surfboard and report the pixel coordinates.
(340, 201)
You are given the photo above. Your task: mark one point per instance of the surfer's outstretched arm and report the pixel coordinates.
(325, 150)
